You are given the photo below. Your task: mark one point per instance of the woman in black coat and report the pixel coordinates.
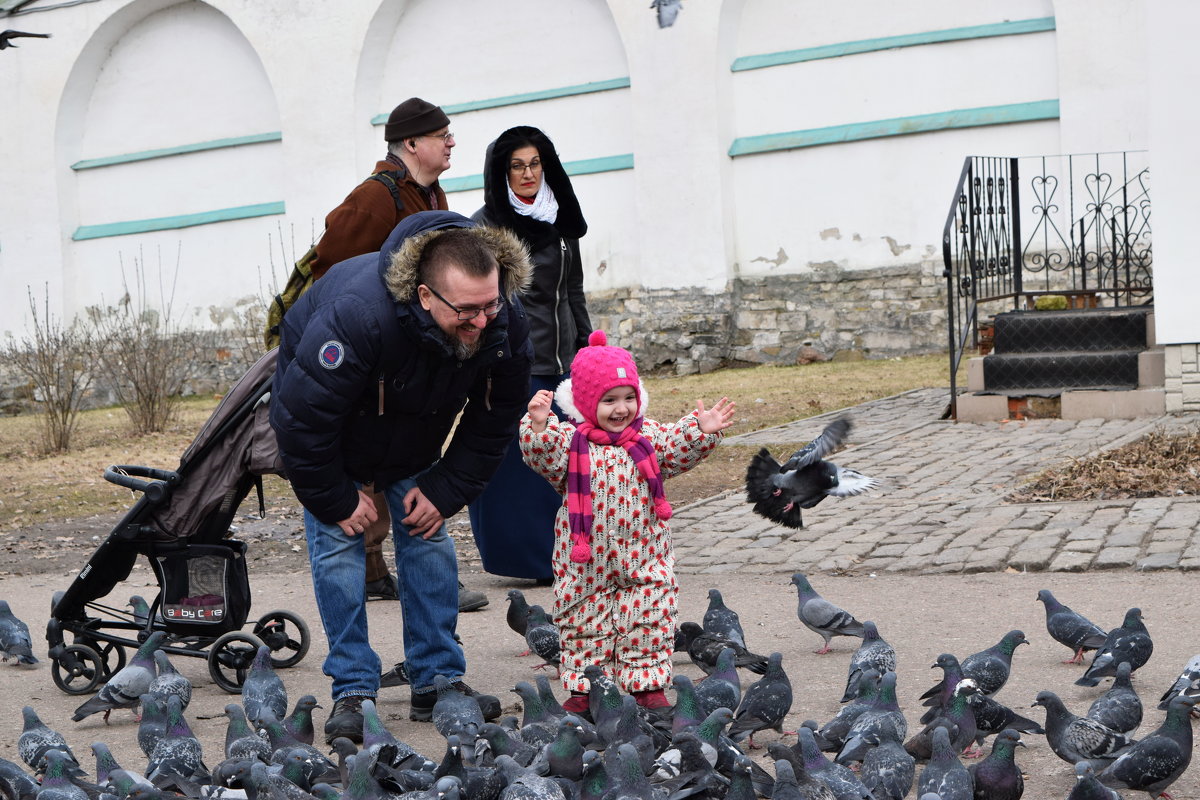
(526, 190)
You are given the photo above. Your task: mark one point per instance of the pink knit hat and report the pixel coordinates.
(598, 368)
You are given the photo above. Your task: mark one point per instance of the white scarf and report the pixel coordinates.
(543, 208)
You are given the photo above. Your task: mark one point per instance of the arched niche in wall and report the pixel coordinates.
(169, 135)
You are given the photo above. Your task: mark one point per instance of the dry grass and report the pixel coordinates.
(36, 488)
(1157, 465)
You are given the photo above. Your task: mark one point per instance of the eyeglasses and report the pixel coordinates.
(464, 314)
(446, 137)
(517, 168)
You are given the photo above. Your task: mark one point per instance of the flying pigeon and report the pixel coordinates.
(765, 703)
(169, 681)
(1119, 708)
(703, 648)
(36, 740)
(666, 11)
(874, 653)
(998, 777)
(542, 637)
(719, 618)
(1154, 763)
(1130, 642)
(263, 690)
(7, 36)
(780, 492)
(1188, 683)
(1075, 739)
(1070, 628)
(821, 616)
(14, 637)
(945, 775)
(125, 688)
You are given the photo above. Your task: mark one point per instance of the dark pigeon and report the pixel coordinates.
(1071, 628)
(599, 683)
(14, 638)
(779, 492)
(938, 696)
(380, 744)
(686, 713)
(990, 668)
(7, 36)
(153, 723)
(263, 690)
(1119, 708)
(546, 694)
(177, 762)
(517, 615)
(1088, 786)
(16, 783)
(300, 722)
(844, 783)
(106, 765)
(997, 777)
(1158, 760)
(722, 688)
(874, 653)
(241, 742)
(741, 787)
(765, 703)
(945, 775)
(1075, 739)
(542, 637)
(703, 647)
(832, 734)
(994, 717)
(496, 741)
(125, 688)
(563, 757)
(888, 771)
(478, 783)
(1130, 642)
(539, 725)
(36, 740)
(821, 616)
(453, 711)
(883, 720)
(665, 11)
(596, 781)
(721, 619)
(792, 784)
(524, 784)
(1187, 684)
(169, 681)
(957, 717)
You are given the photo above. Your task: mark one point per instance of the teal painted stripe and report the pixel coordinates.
(586, 166)
(145, 155)
(527, 97)
(900, 126)
(889, 42)
(180, 221)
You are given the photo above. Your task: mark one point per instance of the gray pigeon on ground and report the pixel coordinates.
(832, 734)
(1070, 628)
(16, 783)
(541, 635)
(153, 723)
(841, 779)
(517, 615)
(938, 696)
(177, 762)
(37, 739)
(722, 688)
(888, 771)
(779, 492)
(998, 777)
(169, 681)
(821, 616)
(883, 720)
(1119, 708)
(241, 741)
(992, 716)
(523, 784)
(1131, 642)
(1088, 786)
(1075, 739)
(794, 783)
(945, 774)
(14, 638)
(263, 689)
(453, 711)
(720, 618)
(56, 782)
(126, 687)
(958, 717)
(990, 668)
(111, 776)
(300, 722)
(495, 740)
(765, 703)
(1155, 762)
(1188, 683)
(874, 653)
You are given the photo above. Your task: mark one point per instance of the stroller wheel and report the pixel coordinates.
(230, 658)
(290, 645)
(111, 653)
(78, 670)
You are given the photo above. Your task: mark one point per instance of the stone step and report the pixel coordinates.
(1077, 330)
(1081, 369)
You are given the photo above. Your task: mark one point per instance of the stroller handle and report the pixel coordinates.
(130, 477)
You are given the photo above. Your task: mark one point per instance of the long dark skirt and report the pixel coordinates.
(513, 520)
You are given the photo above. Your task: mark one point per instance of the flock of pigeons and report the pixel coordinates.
(697, 748)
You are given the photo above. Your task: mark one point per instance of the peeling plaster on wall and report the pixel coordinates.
(779, 260)
(831, 233)
(857, 238)
(896, 249)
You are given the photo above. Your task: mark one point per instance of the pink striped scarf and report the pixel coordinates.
(579, 479)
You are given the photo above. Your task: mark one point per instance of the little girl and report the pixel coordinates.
(614, 568)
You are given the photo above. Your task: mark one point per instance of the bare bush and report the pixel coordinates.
(144, 353)
(56, 360)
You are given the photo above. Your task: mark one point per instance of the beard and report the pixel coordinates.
(462, 350)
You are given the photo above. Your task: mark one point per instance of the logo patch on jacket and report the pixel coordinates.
(331, 355)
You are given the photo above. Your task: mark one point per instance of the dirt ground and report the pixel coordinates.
(920, 616)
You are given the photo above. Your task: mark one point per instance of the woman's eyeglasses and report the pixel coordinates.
(517, 168)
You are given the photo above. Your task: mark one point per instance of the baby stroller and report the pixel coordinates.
(180, 523)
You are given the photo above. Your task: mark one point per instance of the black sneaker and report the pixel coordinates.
(396, 676)
(383, 589)
(422, 703)
(469, 599)
(346, 720)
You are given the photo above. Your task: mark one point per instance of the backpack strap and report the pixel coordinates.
(391, 179)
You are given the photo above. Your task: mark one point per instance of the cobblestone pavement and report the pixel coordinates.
(941, 508)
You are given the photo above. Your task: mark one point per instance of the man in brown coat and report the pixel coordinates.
(405, 182)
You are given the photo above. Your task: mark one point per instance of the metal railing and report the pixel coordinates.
(1089, 239)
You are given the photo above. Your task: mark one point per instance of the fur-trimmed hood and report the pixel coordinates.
(402, 253)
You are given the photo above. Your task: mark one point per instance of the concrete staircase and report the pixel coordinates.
(1072, 364)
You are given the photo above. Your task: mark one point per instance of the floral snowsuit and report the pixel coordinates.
(617, 610)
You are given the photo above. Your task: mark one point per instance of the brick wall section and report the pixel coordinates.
(1182, 377)
(825, 314)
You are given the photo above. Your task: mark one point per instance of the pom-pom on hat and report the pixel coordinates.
(598, 368)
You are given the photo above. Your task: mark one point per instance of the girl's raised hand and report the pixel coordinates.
(539, 408)
(717, 418)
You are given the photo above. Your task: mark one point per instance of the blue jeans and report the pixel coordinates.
(427, 572)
